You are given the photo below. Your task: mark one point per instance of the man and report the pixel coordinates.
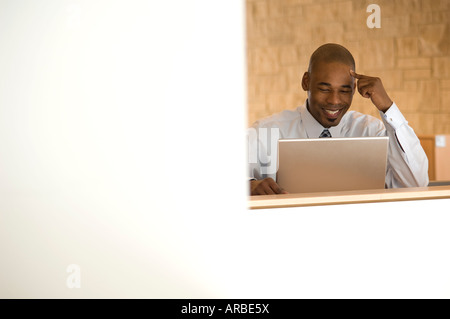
(331, 81)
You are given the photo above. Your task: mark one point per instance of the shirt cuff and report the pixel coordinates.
(393, 117)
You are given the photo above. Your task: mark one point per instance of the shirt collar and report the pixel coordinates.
(314, 128)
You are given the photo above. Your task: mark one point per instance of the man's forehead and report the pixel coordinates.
(333, 71)
(331, 67)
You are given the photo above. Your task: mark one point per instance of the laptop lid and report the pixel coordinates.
(332, 164)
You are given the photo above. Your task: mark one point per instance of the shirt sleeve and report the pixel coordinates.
(407, 164)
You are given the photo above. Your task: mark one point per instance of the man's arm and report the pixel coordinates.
(407, 161)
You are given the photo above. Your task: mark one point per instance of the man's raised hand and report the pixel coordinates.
(372, 88)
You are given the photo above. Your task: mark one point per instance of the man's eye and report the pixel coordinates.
(346, 92)
(324, 90)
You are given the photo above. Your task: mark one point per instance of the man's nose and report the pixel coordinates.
(333, 98)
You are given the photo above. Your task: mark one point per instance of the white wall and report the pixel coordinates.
(122, 151)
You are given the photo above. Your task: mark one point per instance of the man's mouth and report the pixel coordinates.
(332, 113)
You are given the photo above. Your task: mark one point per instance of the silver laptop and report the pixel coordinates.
(332, 164)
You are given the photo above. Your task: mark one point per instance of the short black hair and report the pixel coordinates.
(331, 52)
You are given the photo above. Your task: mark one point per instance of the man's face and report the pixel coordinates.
(330, 92)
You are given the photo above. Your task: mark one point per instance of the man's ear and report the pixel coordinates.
(305, 81)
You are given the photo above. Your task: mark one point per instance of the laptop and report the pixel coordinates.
(332, 164)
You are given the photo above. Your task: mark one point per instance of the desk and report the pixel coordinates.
(348, 197)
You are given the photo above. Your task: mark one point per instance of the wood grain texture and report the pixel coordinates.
(348, 197)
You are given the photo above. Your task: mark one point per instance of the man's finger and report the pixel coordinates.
(365, 91)
(364, 81)
(356, 75)
(267, 189)
(276, 188)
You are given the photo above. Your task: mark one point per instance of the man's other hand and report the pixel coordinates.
(266, 186)
(372, 88)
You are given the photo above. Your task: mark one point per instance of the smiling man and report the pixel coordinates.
(331, 82)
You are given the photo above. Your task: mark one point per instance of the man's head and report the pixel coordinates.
(329, 84)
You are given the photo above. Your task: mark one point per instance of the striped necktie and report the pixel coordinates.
(325, 133)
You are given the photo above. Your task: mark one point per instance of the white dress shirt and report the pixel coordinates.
(407, 164)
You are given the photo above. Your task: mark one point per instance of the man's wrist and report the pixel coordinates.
(385, 106)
